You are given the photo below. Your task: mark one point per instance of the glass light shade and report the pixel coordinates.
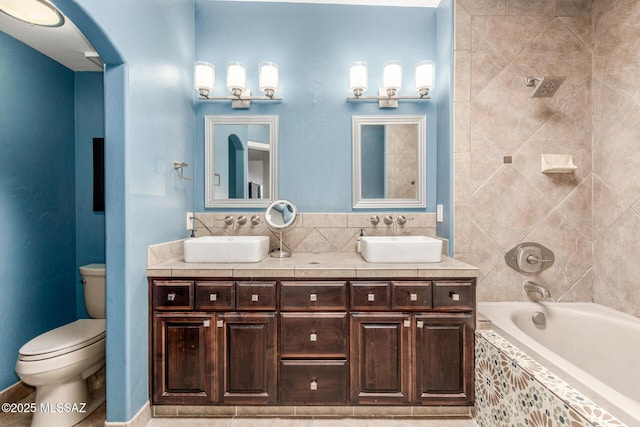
(35, 12)
(236, 77)
(424, 75)
(358, 77)
(392, 76)
(204, 77)
(268, 75)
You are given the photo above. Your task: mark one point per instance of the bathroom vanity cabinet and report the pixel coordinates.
(312, 342)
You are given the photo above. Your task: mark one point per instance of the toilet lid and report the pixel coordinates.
(64, 339)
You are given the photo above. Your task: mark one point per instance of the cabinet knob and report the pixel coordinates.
(413, 297)
(213, 296)
(254, 297)
(371, 297)
(206, 323)
(171, 296)
(313, 297)
(314, 385)
(313, 337)
(454, 296)
(420, 324)
(220, 323)
(407, 323)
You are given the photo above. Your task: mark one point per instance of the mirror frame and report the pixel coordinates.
(210, 121)
(356, 134)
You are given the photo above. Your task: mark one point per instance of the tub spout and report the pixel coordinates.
(531, 287)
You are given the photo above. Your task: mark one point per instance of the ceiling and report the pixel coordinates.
(69, 47)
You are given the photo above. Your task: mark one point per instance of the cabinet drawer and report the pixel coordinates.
(453, 295)
(369, 295)
(313, 296)
(410, 296)
(173, 295)
(256, 296)
(215, 296)
(313, 382)
(313, 335)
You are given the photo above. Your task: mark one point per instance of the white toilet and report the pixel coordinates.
(59, 362)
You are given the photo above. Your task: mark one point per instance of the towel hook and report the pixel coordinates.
(179, 166)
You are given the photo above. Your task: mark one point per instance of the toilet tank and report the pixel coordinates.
(93, 284)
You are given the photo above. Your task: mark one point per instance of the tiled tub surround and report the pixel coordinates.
(592, 347)
(512, 389)
(322, 232)
(590, 217)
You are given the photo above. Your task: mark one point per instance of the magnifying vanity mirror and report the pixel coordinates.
(241, 154)
(281, 216)
(389, 161)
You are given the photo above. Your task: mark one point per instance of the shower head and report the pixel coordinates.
(544, 87)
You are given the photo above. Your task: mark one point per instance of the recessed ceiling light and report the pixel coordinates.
(34, 12)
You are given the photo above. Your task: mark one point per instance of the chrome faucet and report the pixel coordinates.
(389, 220)
(531, 287)
(233, 222)
(242, 220)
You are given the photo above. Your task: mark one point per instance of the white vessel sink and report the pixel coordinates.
(226, 249)
(401, 249)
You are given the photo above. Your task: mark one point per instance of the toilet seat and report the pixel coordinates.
(63, 340)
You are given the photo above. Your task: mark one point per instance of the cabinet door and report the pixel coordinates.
(379, 358)
(444, 359)
(183, 356)
(248, 357)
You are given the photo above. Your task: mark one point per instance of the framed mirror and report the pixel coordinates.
(241, 156)
(389, 161)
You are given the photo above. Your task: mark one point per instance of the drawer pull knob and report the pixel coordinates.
(454, 296)
(420, 324)
(220, 323)
(206, 323)
(313, 297)
(313, 337)
(407, 323)
(413, 297)
(213, 297)
(171, 296)
(314, 385)
(254, 297)
(371, 297)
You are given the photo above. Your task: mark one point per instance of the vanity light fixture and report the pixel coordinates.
(237, 83)
(33, 12)
(388, 95)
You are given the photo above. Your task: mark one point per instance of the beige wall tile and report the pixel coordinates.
(462, 127)
(462, 83)
(462, 36)
(528, 7)
(582, 8)
(484, 7)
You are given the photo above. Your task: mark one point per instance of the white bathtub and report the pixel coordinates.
(593, 348)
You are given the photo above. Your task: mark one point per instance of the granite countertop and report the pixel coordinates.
(314, 265)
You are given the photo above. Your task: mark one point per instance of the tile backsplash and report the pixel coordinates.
(321, 232)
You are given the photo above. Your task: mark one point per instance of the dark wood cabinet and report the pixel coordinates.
(380, 366)
(183, 353)
(312, 342)
(248, 358)
(444, 359)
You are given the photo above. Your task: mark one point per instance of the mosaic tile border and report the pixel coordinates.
(512, 389)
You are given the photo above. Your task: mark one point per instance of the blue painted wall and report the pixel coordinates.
(444, 92)
(148, 80)
(89, 124)
(37, 203)
(313, 46)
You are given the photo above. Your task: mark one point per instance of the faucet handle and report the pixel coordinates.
(227, 220)
(242, 220)
(374, 220)
(255, 220)
(388, 219)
